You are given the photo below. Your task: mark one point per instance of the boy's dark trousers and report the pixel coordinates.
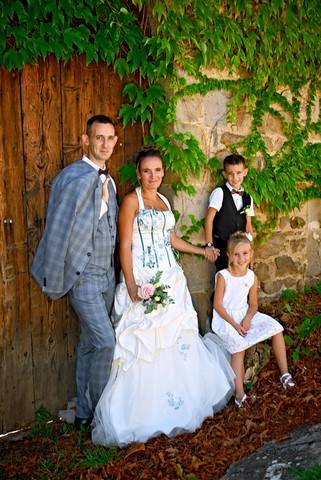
(222, 260)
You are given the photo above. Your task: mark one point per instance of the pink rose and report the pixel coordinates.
(146, 291)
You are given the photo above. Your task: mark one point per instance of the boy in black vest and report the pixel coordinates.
(230, 209)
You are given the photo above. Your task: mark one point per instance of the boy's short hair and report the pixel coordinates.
(98, 119)
(234, 159)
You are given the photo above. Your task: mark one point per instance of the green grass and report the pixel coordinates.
(96, 456)
(311, 473)
(288, 294)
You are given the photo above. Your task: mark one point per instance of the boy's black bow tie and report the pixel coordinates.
(240, 192)
(102, 172)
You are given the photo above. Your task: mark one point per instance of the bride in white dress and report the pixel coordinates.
(163, 379)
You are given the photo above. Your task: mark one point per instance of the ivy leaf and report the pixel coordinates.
(128, 113)
(296, 354)
(67, 6)
(85, 13)
(130, 90)
(77, 37)
(121, 67)
(19, 9)
(50, 7)
(145, 116)
(159, 10)
(20, 34)
(156, 93)
(288, 339)
(128, 173)
(91, 54)
(43, 47)
(11, 59)
(138, 3)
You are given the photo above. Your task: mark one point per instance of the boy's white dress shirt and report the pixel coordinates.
(216, 200)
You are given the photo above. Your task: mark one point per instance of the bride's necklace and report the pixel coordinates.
(154, 202)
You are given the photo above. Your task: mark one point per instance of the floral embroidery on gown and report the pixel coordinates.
(235, 303)
(163, 379)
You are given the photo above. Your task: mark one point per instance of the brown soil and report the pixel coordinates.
(206, 454)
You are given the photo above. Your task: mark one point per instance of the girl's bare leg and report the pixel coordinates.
(237, 363)
(278, 346)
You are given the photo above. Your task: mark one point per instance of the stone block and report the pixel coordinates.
(243, 121)
(271, 287)
(196, 130)
(191, 109)
(271, 125)
(283, 223)
(313, 257)
(262, 271)
(203, 306)
(314, 212)
(215, 108)
(297, 222)
(273, 142)
(290, 282)
(199, 273)
(272, 247)
(286, 266)
(256, 359)
(196, 205)
(298, 245)
(229, 139)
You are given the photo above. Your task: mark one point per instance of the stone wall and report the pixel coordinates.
(291, 258)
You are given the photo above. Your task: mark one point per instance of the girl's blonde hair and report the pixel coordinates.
(234, 239)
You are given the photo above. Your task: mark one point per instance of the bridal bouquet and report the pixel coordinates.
(154, 294)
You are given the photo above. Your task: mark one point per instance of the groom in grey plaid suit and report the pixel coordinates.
(76, 256)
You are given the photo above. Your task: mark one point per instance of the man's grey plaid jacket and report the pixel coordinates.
(71, 224)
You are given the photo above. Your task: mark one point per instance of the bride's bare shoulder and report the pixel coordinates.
(130, 201)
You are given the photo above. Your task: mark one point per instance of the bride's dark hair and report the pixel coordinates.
(148, 151)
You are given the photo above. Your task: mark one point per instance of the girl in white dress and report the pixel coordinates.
(163, 379)
(236, 319)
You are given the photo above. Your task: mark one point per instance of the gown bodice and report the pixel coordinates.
(151, 246)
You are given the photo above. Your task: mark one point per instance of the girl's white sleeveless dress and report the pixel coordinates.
(163, 379)
(235, 303)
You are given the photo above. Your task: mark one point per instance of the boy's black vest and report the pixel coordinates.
(229, 220)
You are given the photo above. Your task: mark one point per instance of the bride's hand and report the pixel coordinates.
(133, 293)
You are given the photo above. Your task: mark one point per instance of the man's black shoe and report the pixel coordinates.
(82, 423)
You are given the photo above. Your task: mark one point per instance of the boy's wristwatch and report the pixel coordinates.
(209, 245)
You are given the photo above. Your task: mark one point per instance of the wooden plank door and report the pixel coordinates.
(43, 109)
(16, 377)
(54, 332)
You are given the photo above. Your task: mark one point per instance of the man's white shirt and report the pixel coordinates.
(103, 178)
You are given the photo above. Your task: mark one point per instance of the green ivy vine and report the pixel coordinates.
(266, 45)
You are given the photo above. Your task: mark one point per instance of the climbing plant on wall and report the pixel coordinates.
(265, 45)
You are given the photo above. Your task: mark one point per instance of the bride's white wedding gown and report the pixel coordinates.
(163, 379)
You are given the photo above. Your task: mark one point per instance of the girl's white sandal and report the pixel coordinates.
(287, 381)
(239, 403)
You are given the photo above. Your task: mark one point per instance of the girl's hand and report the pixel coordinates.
(246, 323)
(240, 329)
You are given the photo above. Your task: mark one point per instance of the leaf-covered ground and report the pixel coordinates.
(59, 452)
